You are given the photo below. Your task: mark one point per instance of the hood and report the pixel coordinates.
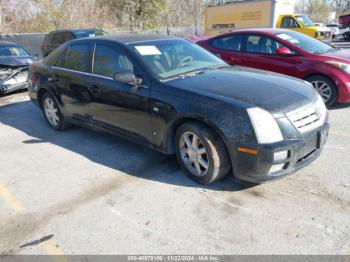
(341, 54)
(275, 93)
(16, 61)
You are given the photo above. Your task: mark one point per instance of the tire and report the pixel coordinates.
(326, 88)
(213, 164)
(52, 112)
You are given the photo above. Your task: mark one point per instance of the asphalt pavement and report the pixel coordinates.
(81, 192)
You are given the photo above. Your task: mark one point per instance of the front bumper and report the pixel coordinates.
(301, 152)
(4, 89)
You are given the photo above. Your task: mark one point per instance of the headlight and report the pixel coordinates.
(265, 126)
(321, 109)
(318, 33)
(342, 66)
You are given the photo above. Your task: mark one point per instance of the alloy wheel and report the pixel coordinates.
(51, 112)
(323, 89)
(194, 154)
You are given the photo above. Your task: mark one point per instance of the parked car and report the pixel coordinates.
(334, 29)
(14, 61)
(56, 38)
(290, 53)
(176, 97)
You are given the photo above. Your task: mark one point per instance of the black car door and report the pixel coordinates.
(69, 76)
(119, 107)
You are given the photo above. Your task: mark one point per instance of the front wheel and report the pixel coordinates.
(326, 88)
(52, 112)
(201, 153)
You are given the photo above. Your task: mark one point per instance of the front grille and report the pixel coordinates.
(306, 119)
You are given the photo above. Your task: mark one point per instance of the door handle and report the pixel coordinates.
(53, 79)
(95, 90)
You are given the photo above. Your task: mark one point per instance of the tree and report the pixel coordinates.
(340, 6)
(140, 14)
(317, 10)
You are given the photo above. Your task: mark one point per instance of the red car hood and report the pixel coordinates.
(341, 54)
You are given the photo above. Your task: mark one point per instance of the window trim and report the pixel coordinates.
(79, 72)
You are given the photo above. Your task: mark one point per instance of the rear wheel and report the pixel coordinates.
(52, 113)
(326, 88)
(201, 153)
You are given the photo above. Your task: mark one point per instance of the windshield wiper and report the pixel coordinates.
(185, 75)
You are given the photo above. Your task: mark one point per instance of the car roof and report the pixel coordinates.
(128, 38)
(81, 30)
(270, 31)
(6, 43)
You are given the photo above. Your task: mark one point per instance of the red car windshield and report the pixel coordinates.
(305, 42)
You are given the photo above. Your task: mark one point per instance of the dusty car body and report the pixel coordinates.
(176, 97)
(14, 62)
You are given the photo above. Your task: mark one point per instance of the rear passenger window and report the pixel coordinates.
(231, 43)
(110, 59)
(76, 57)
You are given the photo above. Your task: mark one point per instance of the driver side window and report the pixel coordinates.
(110, 59)
(289, 22)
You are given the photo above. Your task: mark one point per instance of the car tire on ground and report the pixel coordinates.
(201, 153)
(52, 112)
(326, 88)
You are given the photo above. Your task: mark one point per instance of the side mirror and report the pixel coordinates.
(127, 77)
(284, 51)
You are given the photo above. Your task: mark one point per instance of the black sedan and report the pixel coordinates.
(175, 97)
(14, 62)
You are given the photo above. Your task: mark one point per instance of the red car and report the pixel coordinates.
(287, 52)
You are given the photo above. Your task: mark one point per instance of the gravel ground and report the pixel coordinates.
(80, 192)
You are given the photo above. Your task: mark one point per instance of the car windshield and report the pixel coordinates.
(305, 42)
(175, 58)
(12, 50)
(304, 20)
(90, 33)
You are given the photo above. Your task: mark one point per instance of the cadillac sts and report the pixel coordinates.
(177, 98)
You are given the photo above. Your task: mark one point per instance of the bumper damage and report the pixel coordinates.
(13, 78)
(281, 159)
